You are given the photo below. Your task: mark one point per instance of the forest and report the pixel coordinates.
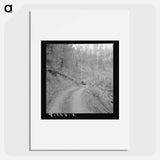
(79, 78)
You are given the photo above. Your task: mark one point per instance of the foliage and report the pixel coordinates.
(73, 64)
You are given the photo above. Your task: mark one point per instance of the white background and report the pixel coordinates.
(79, 25)
(144, 113)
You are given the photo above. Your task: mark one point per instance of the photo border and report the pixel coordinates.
(81, 116)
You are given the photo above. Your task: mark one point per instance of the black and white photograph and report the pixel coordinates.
(79, 79)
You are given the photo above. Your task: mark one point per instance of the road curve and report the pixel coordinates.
(69, 101)
(56, 105)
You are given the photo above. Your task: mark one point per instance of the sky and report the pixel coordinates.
(109, 46)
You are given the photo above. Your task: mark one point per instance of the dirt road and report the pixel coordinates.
(69, 101)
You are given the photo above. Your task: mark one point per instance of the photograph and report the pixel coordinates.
(79, 79)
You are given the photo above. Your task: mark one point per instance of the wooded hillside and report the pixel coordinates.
(76, 64)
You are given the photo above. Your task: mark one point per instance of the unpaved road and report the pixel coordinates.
(69, 101)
